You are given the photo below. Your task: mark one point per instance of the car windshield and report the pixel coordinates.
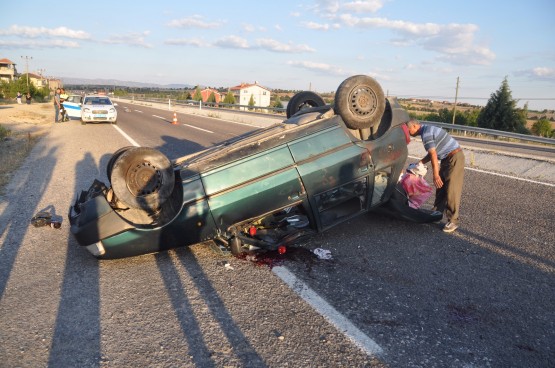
(97, 101)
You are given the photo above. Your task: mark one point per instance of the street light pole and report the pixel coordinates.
(27, 58)
(456, 95)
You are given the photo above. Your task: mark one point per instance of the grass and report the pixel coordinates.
(14, 148)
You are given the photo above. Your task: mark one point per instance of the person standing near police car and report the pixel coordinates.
(57, 105)
(63, 97)
(448, 176)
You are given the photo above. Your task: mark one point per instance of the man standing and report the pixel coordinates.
(63, 97)
(449, 175)
(57, 104)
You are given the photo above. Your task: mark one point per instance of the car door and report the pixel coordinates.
(253, 186)
(336, 173)
(73, 106)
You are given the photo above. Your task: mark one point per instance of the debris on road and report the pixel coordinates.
(44, 218)
(322, 253)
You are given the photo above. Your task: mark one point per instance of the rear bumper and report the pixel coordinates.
(92, 219)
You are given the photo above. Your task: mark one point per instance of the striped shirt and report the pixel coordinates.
(438, 138)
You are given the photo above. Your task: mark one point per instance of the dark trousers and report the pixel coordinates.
(448, 197)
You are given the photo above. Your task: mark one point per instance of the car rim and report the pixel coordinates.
(144, 179)
(363, 101)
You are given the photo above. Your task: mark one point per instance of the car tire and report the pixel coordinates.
(360, 102)
(113, 159)
(142, 178)
(83, 122)
(303, 100)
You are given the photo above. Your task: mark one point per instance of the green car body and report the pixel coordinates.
(267, 189)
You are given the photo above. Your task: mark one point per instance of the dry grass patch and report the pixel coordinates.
(21, 126)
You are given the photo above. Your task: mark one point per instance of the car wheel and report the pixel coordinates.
(113, 159)
(115, 122)
(143, 178)
(360, 102)
(303, 100)
(83, 122)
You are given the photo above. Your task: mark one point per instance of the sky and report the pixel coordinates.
(413, 48)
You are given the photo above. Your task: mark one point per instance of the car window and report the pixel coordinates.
(97, 101)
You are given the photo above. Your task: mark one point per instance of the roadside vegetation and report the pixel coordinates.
(8, 90)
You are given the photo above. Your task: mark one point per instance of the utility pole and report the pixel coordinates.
(456, 95)
(41, 73)
(27, 58)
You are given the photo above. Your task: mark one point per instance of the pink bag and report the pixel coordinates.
(417, 188)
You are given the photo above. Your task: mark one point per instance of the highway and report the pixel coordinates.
(395, 294)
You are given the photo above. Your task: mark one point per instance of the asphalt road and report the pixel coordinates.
(480, 297)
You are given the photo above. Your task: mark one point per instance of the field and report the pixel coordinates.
(20, 128)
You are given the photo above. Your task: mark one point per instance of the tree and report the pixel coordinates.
(229, 98)
(251, 102)
(197, 96)
(277, 103)
(211, 98)
(501, 112)
(542, 128)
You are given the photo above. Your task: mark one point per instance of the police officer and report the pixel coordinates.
(63, 97)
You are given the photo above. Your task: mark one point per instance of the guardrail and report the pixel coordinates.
(493, 132)
(214, 105)
(281, 111)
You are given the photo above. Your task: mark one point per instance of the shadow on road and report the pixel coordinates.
(20, 211)
(76, 338)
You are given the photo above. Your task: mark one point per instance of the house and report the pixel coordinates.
(54, 84)
(37, 80)
(205, 93)
(244, 92)
(8, 72)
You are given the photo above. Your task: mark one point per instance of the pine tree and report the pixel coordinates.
(501, 112)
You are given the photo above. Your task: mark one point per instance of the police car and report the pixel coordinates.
(98, 108)
(73, 106)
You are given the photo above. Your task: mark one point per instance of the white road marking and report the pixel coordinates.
(204, 130)
(328, 312)
(138, 111)
(159, 117)
(511, 177)
(129, 139)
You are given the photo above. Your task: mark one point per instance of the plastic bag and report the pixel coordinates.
(417, 188)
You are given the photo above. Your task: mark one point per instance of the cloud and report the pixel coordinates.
(187, 42)
(236, 42)
(232, 42)
(368, 6)
(36, 32)
(194, 21)
(544, 72)
(538, 73)
(276, 46)
(329, 8)
(131, 39)
(326, 69)
(455, 42)
(32, 44)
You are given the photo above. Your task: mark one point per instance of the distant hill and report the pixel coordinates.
(115, 82)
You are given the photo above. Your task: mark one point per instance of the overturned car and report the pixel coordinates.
(267, 189)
